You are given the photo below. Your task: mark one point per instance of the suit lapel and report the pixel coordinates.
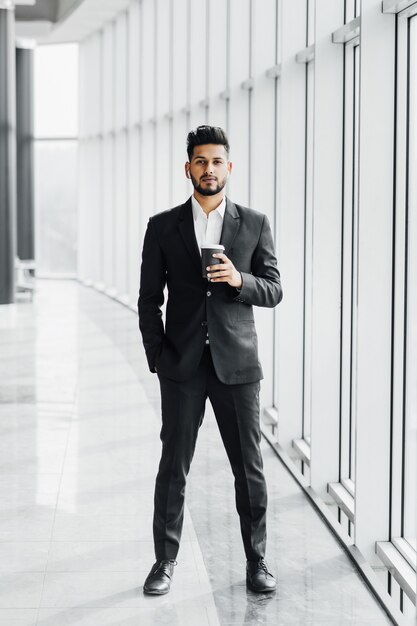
(186, 227)
(231, 222)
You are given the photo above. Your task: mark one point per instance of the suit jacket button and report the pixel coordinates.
(209, 293)
(204, 323)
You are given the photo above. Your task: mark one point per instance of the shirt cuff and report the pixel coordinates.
(239, 289)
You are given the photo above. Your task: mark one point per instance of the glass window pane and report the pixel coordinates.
(350, 261)
(133, 63)
(91, 85)
(181, 186)
(217, 113)
(147, 191)
(179, 55)
(198, 46)
(56, 206)
(239, 41)
(108, 211)
(120, 71)
(410, 499)
(120, 213)
(56, 90)
(134, 233)
(308, 263)
(108, 76)
(217, 66)
(163, 58)
(263, 46)
(238, 185)
(163, 192)
(148, 60)
(311, 7)
(355, 235)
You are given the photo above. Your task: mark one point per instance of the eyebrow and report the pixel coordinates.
(200, 156)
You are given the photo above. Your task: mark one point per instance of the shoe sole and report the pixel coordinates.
(154, 593)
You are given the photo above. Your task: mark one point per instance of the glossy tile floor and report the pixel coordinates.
(79, 424)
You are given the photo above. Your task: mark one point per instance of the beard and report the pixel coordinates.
(208, 191)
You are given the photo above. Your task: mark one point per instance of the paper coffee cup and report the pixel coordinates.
(207, 258)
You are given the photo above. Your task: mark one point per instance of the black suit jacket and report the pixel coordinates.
(171, 257)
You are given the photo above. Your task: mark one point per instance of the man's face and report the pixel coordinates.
(208, 169)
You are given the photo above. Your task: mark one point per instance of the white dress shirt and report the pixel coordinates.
(208, 228)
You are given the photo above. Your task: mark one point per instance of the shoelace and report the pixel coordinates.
(263, 565)
(164, 567)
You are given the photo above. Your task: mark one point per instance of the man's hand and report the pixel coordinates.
(224, 272)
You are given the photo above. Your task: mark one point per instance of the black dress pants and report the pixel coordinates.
(236, 408)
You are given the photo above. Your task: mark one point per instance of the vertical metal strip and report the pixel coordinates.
(305, 238)
(342, 248)
(155, 95)
(113, 151)
(406, 236)
(207, 86)
(393, 285)
(101, 152)
(228, 66)
(275, 221)
(353, 266)
(250, 105)
(188, 69)
(171, 102)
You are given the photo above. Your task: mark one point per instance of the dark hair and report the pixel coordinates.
(206, 134)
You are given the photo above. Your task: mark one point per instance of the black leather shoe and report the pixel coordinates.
(258, 577)
(159, 578)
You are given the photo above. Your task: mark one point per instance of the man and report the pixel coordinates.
(208, 347)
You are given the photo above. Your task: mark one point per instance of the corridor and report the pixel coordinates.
(79, 423)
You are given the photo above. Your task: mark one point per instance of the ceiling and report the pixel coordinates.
(59, 21)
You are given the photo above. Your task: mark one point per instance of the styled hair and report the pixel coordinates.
(206, 134)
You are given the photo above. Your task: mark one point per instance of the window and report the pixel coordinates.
(308, 250)
(350, 235)
(308, 229)
(409, 524)
(56, 146)
(403, 519)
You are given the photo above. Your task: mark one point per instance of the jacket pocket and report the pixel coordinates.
(245, 312)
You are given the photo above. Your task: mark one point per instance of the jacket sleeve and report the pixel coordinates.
(151, 295)
(262, 286)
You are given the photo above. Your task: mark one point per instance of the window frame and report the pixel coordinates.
(399, 293)
(349, 272)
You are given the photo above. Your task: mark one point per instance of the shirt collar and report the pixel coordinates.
(198, 211)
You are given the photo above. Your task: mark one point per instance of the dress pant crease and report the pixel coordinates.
(245, 460)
